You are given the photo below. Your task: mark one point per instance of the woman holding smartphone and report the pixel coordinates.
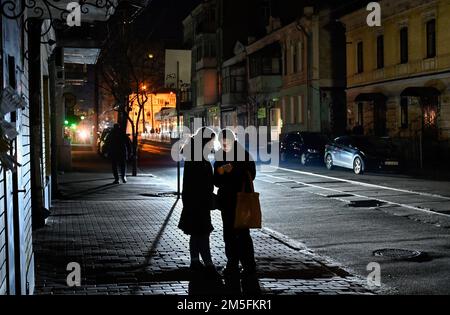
(234, 168)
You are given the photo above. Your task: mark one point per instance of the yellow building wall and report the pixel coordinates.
(416, 22)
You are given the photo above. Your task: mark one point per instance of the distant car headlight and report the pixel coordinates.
(313, 151)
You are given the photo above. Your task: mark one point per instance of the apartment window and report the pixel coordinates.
(294, 57)
(360, 56)
(237, 84)
(431, 38)
(380, 52)
(300, 56)
(285, 61)
(300, 117)
(360, 114)
(404, 122)
(292, 110)
(404, 45)
(283, 110)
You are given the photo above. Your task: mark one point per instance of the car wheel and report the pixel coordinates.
(358, 167)
(329, 162)
(303, 159)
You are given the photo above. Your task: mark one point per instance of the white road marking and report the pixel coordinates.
(363, 184)
(428, 211)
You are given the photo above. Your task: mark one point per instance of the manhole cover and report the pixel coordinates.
(397, 253)
(365, 203)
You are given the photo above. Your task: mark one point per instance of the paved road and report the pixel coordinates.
(347, 217)
(317, 211)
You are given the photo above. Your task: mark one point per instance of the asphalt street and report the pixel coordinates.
(347, 218)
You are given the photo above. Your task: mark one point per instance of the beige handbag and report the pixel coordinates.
(248, 208)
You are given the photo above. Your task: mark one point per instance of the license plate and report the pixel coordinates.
(391, 163)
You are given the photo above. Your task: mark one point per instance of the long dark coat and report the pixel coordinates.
(198, 189)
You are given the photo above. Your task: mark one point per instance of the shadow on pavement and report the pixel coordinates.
(90, 191)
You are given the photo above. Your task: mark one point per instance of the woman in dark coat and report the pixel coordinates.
(198, 189)
(234, 169)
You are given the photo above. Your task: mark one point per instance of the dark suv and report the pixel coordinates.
(305, 147)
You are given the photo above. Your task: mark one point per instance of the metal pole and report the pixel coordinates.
(178, 130)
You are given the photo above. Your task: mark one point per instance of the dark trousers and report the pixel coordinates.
(119, 162)
(238, 244)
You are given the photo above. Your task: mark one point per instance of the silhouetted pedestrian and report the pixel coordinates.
(198, 189)
(233, 169)
(119, 151)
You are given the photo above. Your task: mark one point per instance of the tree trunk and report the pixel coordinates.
(135, 155)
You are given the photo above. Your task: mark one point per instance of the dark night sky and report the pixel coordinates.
(163, 19)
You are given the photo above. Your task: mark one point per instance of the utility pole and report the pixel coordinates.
(178, 131)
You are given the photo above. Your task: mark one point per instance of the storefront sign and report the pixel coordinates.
(262, 113)
(214, 111)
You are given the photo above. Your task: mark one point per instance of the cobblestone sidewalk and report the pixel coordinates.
(134, 247)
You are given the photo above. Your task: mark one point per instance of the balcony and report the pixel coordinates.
(233, 98)
(265, 84)
(399, 71)
(206, 62)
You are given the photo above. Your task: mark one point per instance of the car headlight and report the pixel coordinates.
(313, 151)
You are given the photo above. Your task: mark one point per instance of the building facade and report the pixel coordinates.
(200, 36)
(31, 132)
(284, 68)
(399, 75)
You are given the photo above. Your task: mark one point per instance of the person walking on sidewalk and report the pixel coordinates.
(197, 196)
(234, 167)
(119, 151)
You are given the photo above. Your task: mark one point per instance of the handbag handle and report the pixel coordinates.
(249, 177)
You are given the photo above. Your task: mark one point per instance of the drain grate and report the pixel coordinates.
(365, 203)
(396, 253)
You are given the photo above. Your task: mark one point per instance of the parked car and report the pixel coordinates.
(305, 147)
(102, 143)
(361, 153)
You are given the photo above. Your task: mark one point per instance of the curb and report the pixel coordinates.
(327, 262)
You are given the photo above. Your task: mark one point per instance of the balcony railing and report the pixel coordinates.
(401, 70)
(265, 83)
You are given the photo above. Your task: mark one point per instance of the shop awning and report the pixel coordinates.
(421, 91)
(371, 97)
